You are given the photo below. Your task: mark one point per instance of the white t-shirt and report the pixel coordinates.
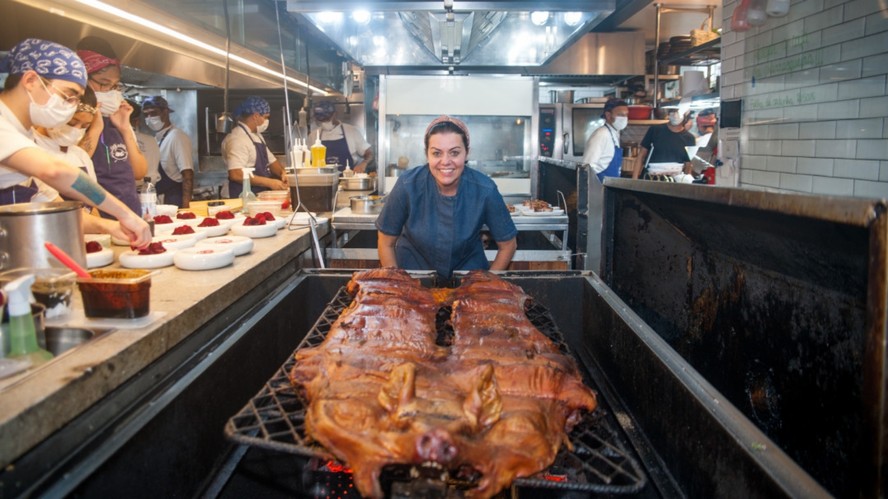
(13, 138)
(238, 150)
(600, 148)
(74, 155)
(175, 152)
(357, 144)
(149, 148)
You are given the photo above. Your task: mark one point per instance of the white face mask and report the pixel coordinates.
(66, 135)
(109, 102)
(676, 119)
(55, 112)
(620, 122)
(154, 122)
(263, 127)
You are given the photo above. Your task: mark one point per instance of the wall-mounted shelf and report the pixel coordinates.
(705, 54)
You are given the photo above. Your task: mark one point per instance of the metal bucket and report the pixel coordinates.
(24, 228)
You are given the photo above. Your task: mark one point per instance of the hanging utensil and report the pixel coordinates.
(225, 122)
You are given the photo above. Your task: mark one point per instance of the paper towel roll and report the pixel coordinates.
(693, 83)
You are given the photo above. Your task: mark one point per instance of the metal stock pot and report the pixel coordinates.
(25, 227)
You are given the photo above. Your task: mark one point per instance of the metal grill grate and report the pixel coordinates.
(275, 419)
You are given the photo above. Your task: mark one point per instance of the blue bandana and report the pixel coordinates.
(253, 104)
(48, 59)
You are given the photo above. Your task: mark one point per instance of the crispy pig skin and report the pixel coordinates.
(500, 399)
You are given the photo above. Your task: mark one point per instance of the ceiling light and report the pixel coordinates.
(539, 17)
(573, 18)
(177, 35)
(361, 16)
(328, 17)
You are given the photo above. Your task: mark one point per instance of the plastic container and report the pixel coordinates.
(277, 196)
(52, 288)
(273, 207)
(116, 294)
(318, 191)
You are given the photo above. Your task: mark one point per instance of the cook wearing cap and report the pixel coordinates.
(244, 147)
(176, 168)
(603, 152)
(43, 88)
(113, 146)
(344, 142)
(432, 218)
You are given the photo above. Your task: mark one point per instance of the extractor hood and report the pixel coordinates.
(443, 33)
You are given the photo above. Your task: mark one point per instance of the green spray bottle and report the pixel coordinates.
(22, 335)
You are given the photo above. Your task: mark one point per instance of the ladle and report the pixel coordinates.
(67, 260)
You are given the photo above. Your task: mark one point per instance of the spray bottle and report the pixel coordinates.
(318, 153)
(247, 195)
(22, 335)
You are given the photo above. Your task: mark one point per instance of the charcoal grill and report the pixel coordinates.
(274, 419)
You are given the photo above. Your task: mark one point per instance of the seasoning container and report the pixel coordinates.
(318, 153)
(318, 192)
(116, 294)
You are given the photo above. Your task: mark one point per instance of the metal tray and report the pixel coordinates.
(275, 419)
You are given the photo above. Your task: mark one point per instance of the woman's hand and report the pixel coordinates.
(136, 231)
(121, 117)
(385, 246)
(504, 253)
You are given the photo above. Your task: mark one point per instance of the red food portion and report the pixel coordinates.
(152, 249)
(500, 398)
(183, 229)
(257, 220)
(93, 247)
(163, 219)
(209, 222)
(186, 215)
(225, 215)
(285, 204)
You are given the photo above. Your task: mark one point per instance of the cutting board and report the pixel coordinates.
(200, 207)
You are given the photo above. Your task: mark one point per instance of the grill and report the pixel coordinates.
(274, 419)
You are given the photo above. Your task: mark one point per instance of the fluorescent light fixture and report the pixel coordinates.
(573, 18)
(110, 9)
(539, 17)
(329, 17)
(361, 16)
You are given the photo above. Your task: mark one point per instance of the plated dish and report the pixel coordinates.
(99, 258)
(203, 258)
(172, 242)
(254, 231)
(133, 260)
(240, 245)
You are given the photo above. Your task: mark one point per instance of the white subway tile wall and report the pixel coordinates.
(814, 86)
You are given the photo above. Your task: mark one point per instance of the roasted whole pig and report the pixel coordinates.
(497, 400)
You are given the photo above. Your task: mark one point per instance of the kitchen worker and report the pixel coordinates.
(432, 218)
(244, 147)
(147, 144)
(603, 151)
(176, 169)
(343, 141)
(44, 87)
(115, 152)
(668, 142)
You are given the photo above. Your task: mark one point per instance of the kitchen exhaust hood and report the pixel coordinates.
(443, 34)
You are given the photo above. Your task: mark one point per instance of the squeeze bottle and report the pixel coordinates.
(306, 154)
(22, 336)
(318, 153)
(247, 192)
(348, 171)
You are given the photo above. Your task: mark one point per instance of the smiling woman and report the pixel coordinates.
(433, 217)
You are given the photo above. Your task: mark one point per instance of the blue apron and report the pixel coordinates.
(171, 190)
(338, 151)
(614, 167)
(18, 193)
(261, 168)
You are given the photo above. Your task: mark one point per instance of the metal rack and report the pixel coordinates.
(678, 59)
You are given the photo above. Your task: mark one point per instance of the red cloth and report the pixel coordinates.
(95, 61)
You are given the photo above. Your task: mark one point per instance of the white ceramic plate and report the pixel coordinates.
(169, 210)
(254, 231)
(665, 168)
(203, 258)
(133, 260)
(99, 258)
(215, 230)
(187, 221)
(301, 219)
(240, 245)
(555, 211)
(197, 234)
(172, 242)
(103, 239)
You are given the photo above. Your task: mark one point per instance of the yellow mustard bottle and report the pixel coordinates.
(318, 153)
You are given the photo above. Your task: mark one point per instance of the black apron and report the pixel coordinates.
(236, 188)
(338, 151)
(171, 190)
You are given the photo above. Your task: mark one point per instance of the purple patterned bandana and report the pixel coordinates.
(253, 104)
(48, 59)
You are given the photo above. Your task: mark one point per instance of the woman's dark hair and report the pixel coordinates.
(447, 126)
(98, 45)
(89, 97)
(12, 81)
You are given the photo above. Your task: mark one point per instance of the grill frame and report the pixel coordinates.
(275, 419)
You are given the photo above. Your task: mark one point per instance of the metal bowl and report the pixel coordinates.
(358, 183)
(367, 204)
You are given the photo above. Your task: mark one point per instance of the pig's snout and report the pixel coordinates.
(436, 446)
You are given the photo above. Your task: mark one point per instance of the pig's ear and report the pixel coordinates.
(483, 405)
(398, 394)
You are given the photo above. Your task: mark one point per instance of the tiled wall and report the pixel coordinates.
(815, 97)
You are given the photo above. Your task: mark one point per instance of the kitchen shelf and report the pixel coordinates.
(705, 54)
